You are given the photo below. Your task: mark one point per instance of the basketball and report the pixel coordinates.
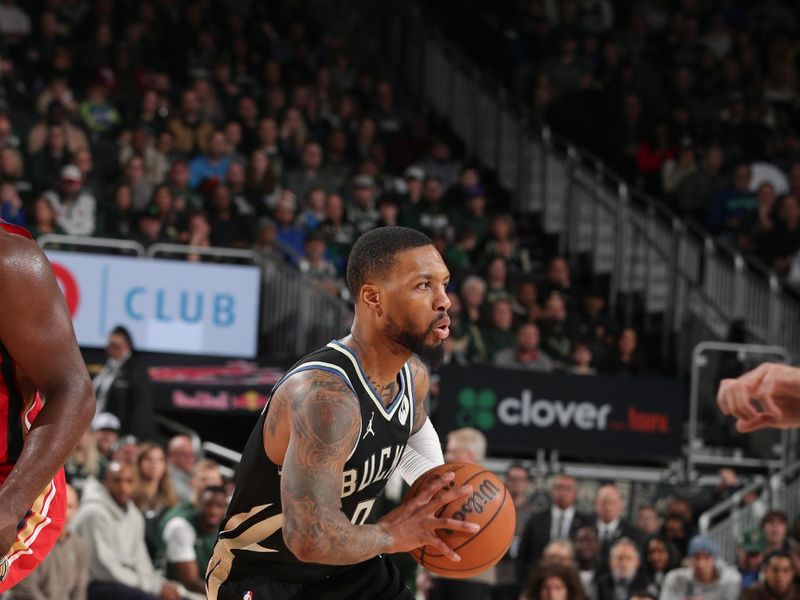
(490, 506)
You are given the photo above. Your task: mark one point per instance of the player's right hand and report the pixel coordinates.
(768, 396)
(414, 523)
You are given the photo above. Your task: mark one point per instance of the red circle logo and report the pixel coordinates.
(69, 287)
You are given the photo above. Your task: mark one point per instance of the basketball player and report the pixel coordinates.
(767, 396)
(300, 524)
(38, 351)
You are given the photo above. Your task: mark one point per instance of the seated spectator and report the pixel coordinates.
(498, 284)
(290, 237)
(340, 233)
(125, 450)
(189, 539)
(471, 213)
(12, 171)
(105, 428)
(733, 204)
(498, 334)
(388, 211)
(309, 174)
(660, 557)
(648, 521)
(676, 169)
(74, 137)
(198, 235)
(429, 215)
(213, 165)
(778, 247)
(45, 165)
(316, 267)
(141, 188)
(84, 462)
(518, 482)
(191, 132)
(556, 334)
(758, 225)
(181, 460)
(236, 180)
(580, 357)
(43, 219)
(624, 575)
(557, 278)
(502, 241)
(228, 228)
(559, 551)
(152, 490)
(678, 531)
(74, 207)
(362, 212)
(149, 230)
(526, 354)
(704, 577)
(626, 358)
(611, 525)
(440, 165)
(779, 581)
(178, 182)
(696, 191)
(11, 204)
(526, 302)
(750, 555)
(65, 571)
(587, 556)
(313, 213)
(100, 117)
(108, 520)
(554, 581)
(775, 525)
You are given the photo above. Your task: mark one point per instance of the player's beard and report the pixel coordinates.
(431, 354)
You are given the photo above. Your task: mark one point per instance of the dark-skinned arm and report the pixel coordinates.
(37, 332)
(189, 575)
(325, 426)
(422, 384)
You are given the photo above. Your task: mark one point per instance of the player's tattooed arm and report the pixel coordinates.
(325, 426)
(422, 383)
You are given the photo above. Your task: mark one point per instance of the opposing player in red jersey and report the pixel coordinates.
(38, 353)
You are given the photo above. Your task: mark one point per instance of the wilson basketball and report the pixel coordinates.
(490, 506)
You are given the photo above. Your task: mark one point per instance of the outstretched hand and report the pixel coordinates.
(414, 523)
(768, 396)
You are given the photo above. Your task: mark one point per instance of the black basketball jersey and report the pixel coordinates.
(251, 541)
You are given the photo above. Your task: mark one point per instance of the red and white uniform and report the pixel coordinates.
(38, 531)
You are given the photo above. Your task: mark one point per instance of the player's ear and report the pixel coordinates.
(371, 297)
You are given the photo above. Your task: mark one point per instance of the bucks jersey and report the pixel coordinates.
(251, 542)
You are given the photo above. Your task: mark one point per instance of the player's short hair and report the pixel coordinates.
(374, 253)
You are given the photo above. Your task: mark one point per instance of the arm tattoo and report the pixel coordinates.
(325, 426)
(421, 387)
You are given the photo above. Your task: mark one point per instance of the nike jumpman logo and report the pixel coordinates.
(369, 426)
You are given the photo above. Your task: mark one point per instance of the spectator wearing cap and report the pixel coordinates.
(362, 212)
(778, 581)
(705, 577)
(751, 553)
(413, 179)
(149, 229)
(122, 387)
(105, 428)
(213, 165)
(526, 354)
(74, 207)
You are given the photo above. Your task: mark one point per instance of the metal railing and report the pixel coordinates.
(785, 487)
(52, 241)
(728, 520)
(230, 457)
(699, 361)
(648, 253)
